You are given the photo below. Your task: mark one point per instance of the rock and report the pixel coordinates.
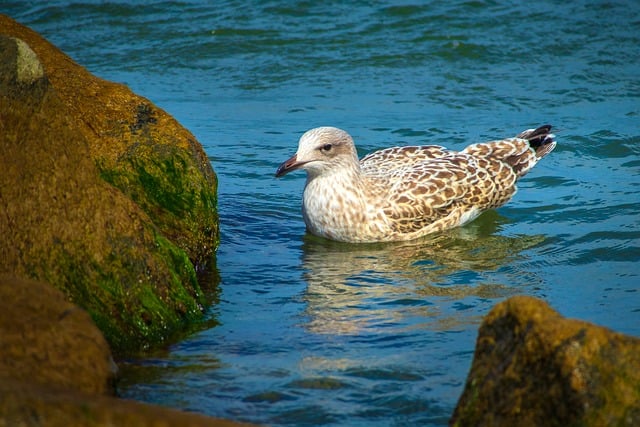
(28, 67)
(56, 367)
(533, 367)
(47, 340)
(28, 405)
(137, 147)
(62, 223)
(67, 143)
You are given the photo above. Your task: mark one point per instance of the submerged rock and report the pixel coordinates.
(534, 367)
(103, 195)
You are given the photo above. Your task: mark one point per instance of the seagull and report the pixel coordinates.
(406, 192)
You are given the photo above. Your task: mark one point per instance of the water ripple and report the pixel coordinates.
(313, 332)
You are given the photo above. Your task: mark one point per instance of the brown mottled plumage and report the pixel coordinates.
(403, 193)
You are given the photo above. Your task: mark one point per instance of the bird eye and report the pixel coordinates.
(326, 147)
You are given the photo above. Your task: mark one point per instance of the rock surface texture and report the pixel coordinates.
(106, 203)
(56, 367)
(137, 147)
(103, 195)
(532, 367)
(46, 340)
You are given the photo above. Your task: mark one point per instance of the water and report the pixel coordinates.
(311, 332)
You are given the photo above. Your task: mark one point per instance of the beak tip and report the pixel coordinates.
(282, 170)
(286, 167)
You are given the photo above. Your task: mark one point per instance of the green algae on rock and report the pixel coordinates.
(117, 253)
(534, 367)
(138, 148)
(56, 367)
(160, 180)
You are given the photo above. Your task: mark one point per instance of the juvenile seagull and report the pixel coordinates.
(402, 193)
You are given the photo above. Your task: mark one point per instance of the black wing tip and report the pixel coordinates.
(539, 137)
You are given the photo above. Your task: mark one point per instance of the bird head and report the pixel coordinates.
(321, 150)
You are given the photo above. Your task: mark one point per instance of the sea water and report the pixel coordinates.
(309, 332)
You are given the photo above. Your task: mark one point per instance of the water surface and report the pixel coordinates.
(310, 332)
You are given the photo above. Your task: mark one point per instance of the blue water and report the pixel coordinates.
(310, 332)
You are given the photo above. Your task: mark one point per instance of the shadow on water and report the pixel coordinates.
(356, 286)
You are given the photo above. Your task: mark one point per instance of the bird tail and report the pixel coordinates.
(541, 142)
(521, 153)
(540, 139)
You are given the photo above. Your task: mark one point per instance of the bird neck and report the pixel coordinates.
(334, 205)
(346, 175)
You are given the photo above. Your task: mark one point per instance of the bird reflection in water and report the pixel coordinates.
(356, 287)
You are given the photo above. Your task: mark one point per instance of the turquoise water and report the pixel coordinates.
(309, 332)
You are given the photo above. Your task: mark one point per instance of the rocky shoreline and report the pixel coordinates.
(108, 198)
(108, 214)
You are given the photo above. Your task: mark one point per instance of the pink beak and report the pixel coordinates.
(288, 166)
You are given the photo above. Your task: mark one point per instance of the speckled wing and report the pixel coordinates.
(440, 189)
(516, 152)
(399, 158)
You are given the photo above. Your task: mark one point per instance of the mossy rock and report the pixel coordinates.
(160, 179)
(138, 148)
(56, 367)
(532, 367)
(100, 217)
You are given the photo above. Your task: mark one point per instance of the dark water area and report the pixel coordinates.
(309, 332)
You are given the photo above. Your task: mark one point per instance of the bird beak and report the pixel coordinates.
(288, 166)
